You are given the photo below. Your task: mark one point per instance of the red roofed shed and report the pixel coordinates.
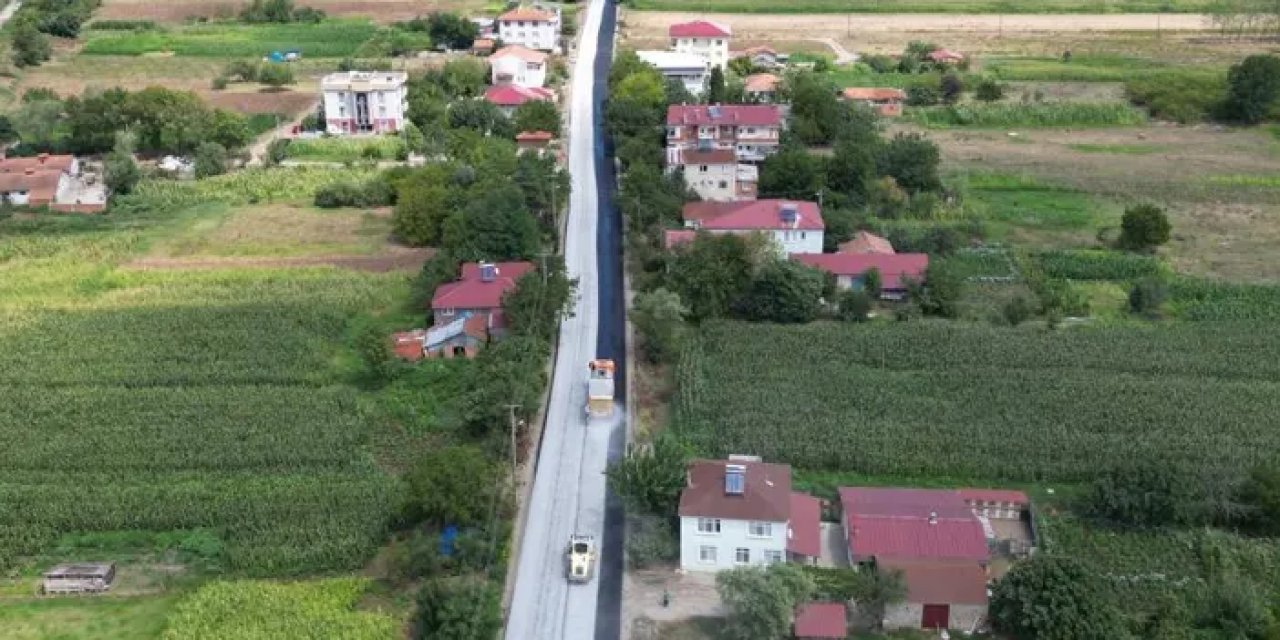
(821, 620)
(849, 268)
(805, 536)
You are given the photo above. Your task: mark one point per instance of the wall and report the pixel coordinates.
(733, 534)
(523, 73)
(798, 241)
(708, 183)
(386, 109)
(535, 35)
(716, 55)
(907, 615)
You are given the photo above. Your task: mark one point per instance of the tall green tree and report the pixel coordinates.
(424, 201)
(912, 161)
(791, 173)
(851, 171)
(456, 485)
(782, 291)
(712, 273)
(762, 600)
(716, 86)
(1144, 495)
(211, 160)
(451, 30)
(659, 317)
(1253, 89)
(1054, 598)
(537, 115)
(493, 225)
(649, 479)
(29, 46)
(540, 300)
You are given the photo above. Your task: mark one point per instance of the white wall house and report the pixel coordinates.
(705, 39)
(754, 131)
(365, 101)
(520, 65)
(793, 226)
(532, 27)
(690, 69)
(742, 512)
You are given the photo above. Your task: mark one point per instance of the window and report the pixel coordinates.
(708, 525)
(760, 529)
(724, 185)
(742, 555)
(702, 168)
(802, 235)
(707, 554)
(719, 42)
(772, 556)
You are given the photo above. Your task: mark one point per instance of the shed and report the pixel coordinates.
(82, 577)
(821, 620)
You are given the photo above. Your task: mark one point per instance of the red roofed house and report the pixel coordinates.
(937, 539)
(531, 27)
(821, 621)
(794, 226)
(52, 181)
(761, 57)
(460, 338)
(538, 142)
(514, 64)
(885, 101)
(509, 96)
(702, 38)
(714, 174)
(865, 242)
(478, 292)
(752, 131)
(849, 268)
(761, 87)
(742, 512)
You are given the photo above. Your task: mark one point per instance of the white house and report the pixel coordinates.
(714, 173)
(515, 64)
(753, 131)
(365, 101)
(794, 226)
(689, 68)
(742, 512)
(703, 38)
(531, 27)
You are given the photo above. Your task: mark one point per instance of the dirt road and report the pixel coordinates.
(652, 24)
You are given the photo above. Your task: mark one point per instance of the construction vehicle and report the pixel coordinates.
(582, 558)
(600, 389)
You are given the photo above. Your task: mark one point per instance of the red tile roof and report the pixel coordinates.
(994, 495)
(945, 55)
(39, 162)
(767, 494)
(874, 93)
(710, 156)
(470, 292)
(730, 114)
(516, 51)
(761, 83)
(512, 95)
(528, 14)
(757, 215)
(534, 136)
(864, 242)
(41, 186)
(911, 524)
(821, 620)
(672, 238)
(942, 582)
(894, 268)
(699, 29)
(805, 537)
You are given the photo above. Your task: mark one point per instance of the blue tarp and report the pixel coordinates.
(447, 538)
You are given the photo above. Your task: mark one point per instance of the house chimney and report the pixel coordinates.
(933, 517)
(789, 214)
(735, 477)
(488, 272)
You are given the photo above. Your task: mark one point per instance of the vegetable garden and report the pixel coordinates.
(975, 401)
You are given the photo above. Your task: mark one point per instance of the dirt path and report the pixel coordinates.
(401, 260)
(285, 130)
(647, 24)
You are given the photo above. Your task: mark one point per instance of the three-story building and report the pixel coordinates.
(753, 131)
(530, 27)
(703, 38)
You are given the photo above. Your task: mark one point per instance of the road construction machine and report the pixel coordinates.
(600, 389)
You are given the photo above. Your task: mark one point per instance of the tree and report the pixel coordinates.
(923, 95)
(1143, 495)
(260, 11)
(715, 86)
(540, 300)
(39, 124)
(1236, 608)
(912, 161)
(7, 132)
(464, 77)
(816, 115)
(461, 608)
(537, 115)
(1147, 296)
(480, 116)
(493, 225)
(1143, 228)
(659, 319)
(783, 291)
(989, 90)
(952, 88)
(424, 201)
(276, 75)
(451, 30)
(941, 291)
(374, 349)
(1054, 598)
(872, 282)
(1253, 89)
(712, 273)
(1261, 496)
(277, 152)
(851, 170)
(94, 119)
(855, 306)
(791, 173)
(120, 172)
(229, 129)
(211, 160)
(762, 600)
(453, 485)
(649, 479)
(30, 47)
(645, 88)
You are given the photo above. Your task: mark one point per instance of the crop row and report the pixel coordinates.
(330, 39)
(1063, 114)
(982, 402)
(253, 185)
(246, 609)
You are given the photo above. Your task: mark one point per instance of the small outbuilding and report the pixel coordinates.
(821, 621)
(81, 577)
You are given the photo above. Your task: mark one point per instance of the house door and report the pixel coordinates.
(935, 616)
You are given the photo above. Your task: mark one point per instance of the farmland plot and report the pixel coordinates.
(919, 399)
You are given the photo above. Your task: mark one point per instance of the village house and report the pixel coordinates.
(896, 270)
(365, 101)
(532, 27)
(753, 131)
(865, 242)
(705, 39)
(946, 57)
(761, 87)
(762, 57)
(536, 142)
(689, 69)
(507, 97)
(478, 292)
(742, 511)
(54, 181)
(461, 337)
(793, 226)
(884, 100)
(715, 175)
(514, 64)
(821, 621)
(482, 46)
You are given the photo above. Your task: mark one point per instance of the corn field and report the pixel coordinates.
(976, 401)
(241, 187)
(1061, 114)
(254, 610)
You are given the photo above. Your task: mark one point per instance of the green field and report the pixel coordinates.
(1060, 114)
(345, 149)
(137, 618)
(329, 39)
(975, 401)
(1026, 209)
(924, 6)
(250, 610)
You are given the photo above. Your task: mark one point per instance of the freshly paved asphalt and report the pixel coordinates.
(569, 493)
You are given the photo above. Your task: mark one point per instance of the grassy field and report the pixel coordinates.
(330, 39)
(345, 149)
(1005, 115)
(108, 618)
(278, 230)
(249, 610)
(977, 401)
(177, 11)
(923, 6)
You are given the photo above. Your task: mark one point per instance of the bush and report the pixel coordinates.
(1143, 495)
(1018, 310)
(651, 541)
(276, 75)
(211, 160)
(277, 151)
(374, 193)
(880, 63)
(1148, 296)
(1254, 89)
(30, 47)
(121, 25)
(923, 95)
(989, 90)
(855, 306)
(1185, 97)
(459, 609)
(952, 87)
(219, 83)
(1144, 227)
(1054, 598)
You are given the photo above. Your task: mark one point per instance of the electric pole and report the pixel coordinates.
(511, 415)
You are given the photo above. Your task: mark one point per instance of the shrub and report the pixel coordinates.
(459, 609)
(277, 151)
(211, 160)
(1254, 88)
(1054, 598)
(1062, 114)
(1018, 310)
(276, 75)
(30, 47)
(1184, 97)
(855, 306)
(219, 83)
(923, 95)
(1147, 296)
(1143, 227)
(989, 90)
(952, 87)
(373, 193)
(1143, 495)
(121, 25)
(651, 541)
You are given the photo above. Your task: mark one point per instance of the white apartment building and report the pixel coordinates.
(742, 512)
(714, 174)
(705, 39)
(365, 101)
(690, 69)
(753, 131)
(531, 27)
(515, 64)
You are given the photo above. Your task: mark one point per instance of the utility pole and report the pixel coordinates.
(542, 255)
(511, 414)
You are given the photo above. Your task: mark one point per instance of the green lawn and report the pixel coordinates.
(346, 149)
(93, 618)
(1023, 208)
(329, 39)
(924, 6)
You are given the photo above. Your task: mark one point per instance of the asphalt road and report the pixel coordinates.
(569, 493)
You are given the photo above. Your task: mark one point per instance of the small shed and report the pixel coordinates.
(821, 621)
(85, 577)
